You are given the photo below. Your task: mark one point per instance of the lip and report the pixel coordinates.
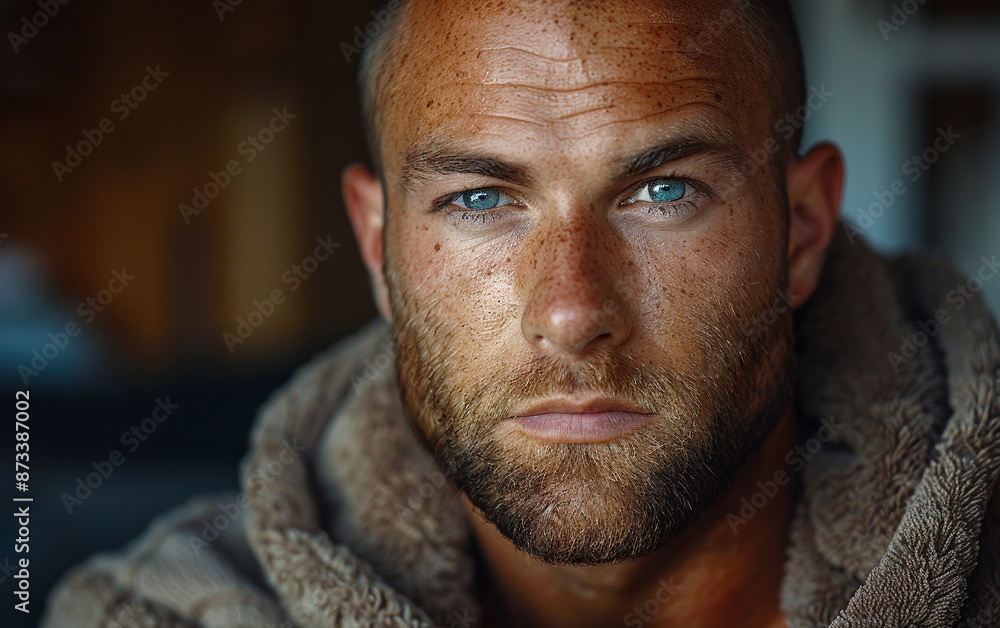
(594, 420)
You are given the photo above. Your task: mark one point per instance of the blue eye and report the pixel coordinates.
(482, 199)
(662, 191)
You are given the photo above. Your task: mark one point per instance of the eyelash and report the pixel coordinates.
(485, 217)
(446, 201)
(476, 217)
(671, 208)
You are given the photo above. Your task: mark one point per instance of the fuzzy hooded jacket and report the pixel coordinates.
(345, 520)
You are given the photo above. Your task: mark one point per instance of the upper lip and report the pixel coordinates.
(570, 405)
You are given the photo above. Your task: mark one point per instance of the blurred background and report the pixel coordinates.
(166, 167)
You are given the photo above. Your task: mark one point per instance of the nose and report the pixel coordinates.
(573, 307)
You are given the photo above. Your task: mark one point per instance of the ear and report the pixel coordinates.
(366, 209)
(814, 184)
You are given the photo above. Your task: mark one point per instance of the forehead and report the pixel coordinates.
(553, 72)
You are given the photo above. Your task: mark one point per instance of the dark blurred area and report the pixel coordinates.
(120, 219)
(172, 228)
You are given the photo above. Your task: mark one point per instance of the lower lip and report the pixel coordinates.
(592, 427)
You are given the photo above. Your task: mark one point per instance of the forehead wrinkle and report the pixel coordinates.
(575, 114)
(538, 54)
(510, 118)
(579, 124)
(598, 128)
(598, 65)
(567, 28)
(554, 90)
(589, 50)
(582, 95)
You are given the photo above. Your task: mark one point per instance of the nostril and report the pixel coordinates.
(572, 321)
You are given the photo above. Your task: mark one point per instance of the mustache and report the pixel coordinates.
(606, 374)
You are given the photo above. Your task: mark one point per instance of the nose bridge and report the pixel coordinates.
(572, 302)
(575, 257)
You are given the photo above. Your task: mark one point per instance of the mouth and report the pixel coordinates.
(594, 420)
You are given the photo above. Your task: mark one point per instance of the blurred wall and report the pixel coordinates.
(901, 72)
(119, 122)
(168, 174)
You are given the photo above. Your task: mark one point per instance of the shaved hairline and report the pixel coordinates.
(772, 31)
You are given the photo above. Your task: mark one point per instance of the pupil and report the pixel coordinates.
(481, 199)
(666, 192)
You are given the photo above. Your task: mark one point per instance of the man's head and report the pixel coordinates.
(770, 44)
(568, 218)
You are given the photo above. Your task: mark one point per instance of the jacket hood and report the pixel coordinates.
(888, 524)
(351, 523)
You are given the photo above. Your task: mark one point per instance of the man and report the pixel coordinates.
(635, 372)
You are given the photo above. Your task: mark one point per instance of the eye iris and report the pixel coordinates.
(666, 191)
(481, 199)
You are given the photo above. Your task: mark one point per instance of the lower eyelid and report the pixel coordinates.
(676, 208)
(476, 217)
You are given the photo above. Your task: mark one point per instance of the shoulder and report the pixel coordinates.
(192, 567)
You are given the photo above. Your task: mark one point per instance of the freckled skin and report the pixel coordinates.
(564, 89)
(576, 286)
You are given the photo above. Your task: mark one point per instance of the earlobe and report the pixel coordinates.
(365, 204)
(814, 184)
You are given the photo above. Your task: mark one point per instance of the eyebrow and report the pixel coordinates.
(437, 159)
(434, 159)
(674, 150)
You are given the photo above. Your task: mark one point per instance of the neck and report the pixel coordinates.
(724, 570)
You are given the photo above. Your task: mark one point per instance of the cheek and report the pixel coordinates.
(464, 292)
(694, 293)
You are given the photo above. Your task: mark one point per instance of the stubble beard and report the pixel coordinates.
(595, 503)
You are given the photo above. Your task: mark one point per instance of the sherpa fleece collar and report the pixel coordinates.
(894, 525)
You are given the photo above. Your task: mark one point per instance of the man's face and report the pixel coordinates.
(573, 225)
